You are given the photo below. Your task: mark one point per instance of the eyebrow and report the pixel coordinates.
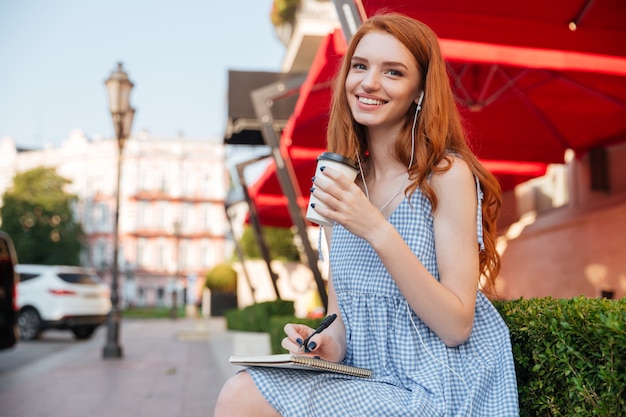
(385, 63)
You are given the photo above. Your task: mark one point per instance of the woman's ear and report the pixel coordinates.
(418, 100)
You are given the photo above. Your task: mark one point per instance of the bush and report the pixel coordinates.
(570, 355)
(284, 11)
(256, 317)
(222, 278)
(279, 240)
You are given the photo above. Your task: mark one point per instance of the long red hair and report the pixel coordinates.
(439, 131)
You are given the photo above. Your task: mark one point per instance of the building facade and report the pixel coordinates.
(172, 223)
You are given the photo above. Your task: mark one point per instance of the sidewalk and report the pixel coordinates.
(169, 369)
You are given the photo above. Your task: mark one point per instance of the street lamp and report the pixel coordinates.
(174, 310)
(118, 87)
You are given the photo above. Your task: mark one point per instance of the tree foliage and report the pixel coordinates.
(37, 213)
(280, 242)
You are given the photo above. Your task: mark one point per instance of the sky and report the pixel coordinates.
(56, 54)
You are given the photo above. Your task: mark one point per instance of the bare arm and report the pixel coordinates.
(446, 306)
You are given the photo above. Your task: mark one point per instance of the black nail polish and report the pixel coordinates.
(299, 341)
(312, 179)
(312, 205)
(312, 345)
(322, 168)
(312, 189)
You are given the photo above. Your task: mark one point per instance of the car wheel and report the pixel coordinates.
(29, 324)
(83, 332)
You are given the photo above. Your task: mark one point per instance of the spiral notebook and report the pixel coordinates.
(290, 361)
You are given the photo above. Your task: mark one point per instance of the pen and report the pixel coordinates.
(327, 322)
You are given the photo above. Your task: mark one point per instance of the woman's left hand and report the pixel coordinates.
(321, 344)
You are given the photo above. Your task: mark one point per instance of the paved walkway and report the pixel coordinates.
(169, 369)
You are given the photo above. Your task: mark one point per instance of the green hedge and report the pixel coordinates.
(570, 355)
(256, 317)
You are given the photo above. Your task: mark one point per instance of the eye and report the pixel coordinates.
(358, 66)
(395, 73)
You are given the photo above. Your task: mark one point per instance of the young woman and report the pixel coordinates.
(413, 236)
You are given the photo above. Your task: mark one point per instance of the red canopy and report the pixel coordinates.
(303, 138)
(528, 87)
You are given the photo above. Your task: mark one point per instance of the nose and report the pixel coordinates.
(370, 81)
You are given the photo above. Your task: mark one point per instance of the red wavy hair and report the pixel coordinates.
(439, 131)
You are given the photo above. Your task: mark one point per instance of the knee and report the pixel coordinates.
(240, 397)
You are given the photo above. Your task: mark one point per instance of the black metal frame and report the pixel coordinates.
(256, 224)
(262, 100)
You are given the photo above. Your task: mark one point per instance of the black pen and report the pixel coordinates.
(327, 322)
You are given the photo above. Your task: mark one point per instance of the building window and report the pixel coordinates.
(160, 256)
(100, 255)
(183, 259)
(101, 216)
(160, 295)
(188, 214)
(144, 214)
(141, 246)
(160, 209)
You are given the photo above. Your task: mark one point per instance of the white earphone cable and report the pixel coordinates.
(367, 193)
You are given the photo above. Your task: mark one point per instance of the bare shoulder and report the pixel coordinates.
(459, 176)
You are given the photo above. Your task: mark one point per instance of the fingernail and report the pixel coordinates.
(313, 179)
(299, 341)
(312, 345)
(312, 205)
(312, 189)
(322, 168)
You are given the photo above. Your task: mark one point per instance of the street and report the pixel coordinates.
(27, 352)
(168, 369)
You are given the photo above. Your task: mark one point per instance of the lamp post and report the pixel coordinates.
(118, 87)
(174, 310)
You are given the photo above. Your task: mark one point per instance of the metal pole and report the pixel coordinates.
(174, 310)
(240, 254)
(350, 16)
(112, 349)
(256, 224)
(262, 99)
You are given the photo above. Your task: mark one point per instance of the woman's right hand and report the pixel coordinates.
(322, 344)
(344, 202)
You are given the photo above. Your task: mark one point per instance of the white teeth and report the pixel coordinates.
(370, 101)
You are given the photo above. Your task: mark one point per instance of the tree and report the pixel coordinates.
(37, 213)
(280, 242)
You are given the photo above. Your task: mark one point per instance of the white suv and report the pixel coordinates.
(60, 297)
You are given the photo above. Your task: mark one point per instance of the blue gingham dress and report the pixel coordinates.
(415, 374)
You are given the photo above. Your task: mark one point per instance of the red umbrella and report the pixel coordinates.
(528, 87)
(303, 137)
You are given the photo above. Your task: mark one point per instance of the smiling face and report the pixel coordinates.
(382, 83)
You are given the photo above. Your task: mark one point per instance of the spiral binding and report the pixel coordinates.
(321, 364)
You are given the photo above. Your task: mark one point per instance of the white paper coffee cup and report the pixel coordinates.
(346, 166)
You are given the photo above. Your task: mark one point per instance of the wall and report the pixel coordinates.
(576, 249)
(295, 283)
(172, 224)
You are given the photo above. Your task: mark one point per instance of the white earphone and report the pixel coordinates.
(419, 102)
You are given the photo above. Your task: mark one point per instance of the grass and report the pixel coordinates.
(156, 312)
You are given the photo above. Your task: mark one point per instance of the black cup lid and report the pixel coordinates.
(331, 156)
